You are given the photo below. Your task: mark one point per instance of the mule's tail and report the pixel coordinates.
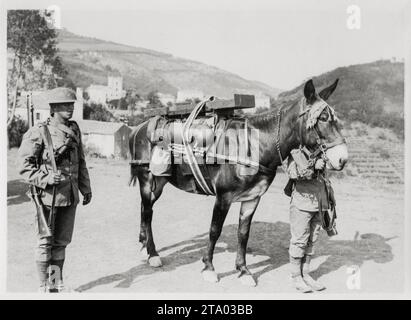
(140, 150)
(133, 175)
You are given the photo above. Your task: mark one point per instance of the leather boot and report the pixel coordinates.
(56, 272)
(42, 271)
(305, 270)
(296, 276)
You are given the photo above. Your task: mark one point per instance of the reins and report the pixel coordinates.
(277, 143)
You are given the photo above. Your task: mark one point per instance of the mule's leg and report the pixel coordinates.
(246, 215)
(221, 207)
(148, 198)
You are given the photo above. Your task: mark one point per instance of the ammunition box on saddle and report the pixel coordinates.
(221, 107)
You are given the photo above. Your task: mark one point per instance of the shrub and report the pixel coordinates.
(135, 120)
(97, 112)
(361, 131)
(15, 132)
(92, 151)
(385, 154)
(381, 135)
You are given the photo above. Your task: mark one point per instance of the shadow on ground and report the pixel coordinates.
(267, 239)
(16, 192)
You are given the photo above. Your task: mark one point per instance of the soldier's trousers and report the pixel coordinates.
(54, 248)
(305, 227)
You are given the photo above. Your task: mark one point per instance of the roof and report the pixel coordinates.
(97, 87)
(39, 100)
(99, 127)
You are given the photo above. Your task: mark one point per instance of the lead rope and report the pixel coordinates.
(283, 164)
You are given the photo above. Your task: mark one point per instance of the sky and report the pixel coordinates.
(280, 43)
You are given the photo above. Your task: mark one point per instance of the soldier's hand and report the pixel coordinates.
(54, 178)
(319, 164)
(87, 199)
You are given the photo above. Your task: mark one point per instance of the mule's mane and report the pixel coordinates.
(263, 120)
(266, 119)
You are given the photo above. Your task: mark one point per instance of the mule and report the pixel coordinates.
(279, 133)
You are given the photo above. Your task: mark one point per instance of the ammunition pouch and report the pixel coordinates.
(64, 151)
(328, 221)
(328, 215)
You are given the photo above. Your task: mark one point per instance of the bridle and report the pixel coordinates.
(321, 147)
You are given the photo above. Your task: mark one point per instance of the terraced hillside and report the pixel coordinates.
(375, 154)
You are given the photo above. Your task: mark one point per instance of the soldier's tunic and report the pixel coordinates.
(75, 178)
(305, 219)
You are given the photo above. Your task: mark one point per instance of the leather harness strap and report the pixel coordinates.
(69, 131)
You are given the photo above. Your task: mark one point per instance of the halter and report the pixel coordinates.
(322, 145)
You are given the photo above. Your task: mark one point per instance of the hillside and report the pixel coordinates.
(369, 99)
(372, 93)
(89, 60)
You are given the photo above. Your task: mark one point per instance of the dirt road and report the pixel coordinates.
(104, 255)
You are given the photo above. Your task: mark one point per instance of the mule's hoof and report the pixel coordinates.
(155, 262)
(210, 276)
(248, 280)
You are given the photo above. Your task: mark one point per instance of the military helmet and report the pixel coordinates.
(61, 95)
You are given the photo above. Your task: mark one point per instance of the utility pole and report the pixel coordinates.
(31, 107)
(28, 107)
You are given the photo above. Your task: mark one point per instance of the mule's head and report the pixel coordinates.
(319, 126)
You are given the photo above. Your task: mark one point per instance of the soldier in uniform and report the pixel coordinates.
(312, 202)
(71, 177)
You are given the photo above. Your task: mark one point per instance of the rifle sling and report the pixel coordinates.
(69, 131)
(44, 130)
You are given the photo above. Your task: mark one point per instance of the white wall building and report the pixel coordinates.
(113, 91)
(262, 101)
(78, 105)
(183, 95)
(98, 93)
(115, 85)
(108, 139)
(166, 98)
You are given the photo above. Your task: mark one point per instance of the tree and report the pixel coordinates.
(35, 63)
(153, 100)
(15, 132)
(97, 112)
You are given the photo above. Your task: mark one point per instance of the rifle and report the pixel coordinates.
(35, 192)
(47, 138)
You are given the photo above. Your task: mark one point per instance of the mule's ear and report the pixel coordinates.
(325, 93)
(309, 91)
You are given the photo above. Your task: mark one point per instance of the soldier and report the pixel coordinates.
(58, 189)
(312, 207)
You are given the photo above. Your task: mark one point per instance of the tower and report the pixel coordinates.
(115, 85)
(78, 105)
